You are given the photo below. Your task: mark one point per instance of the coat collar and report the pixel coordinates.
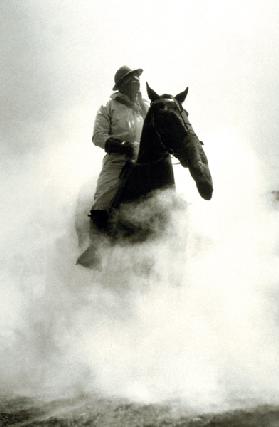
(137, 106)
(123, 99)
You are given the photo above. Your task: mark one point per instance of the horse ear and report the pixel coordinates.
(151, 93)
(180, 97)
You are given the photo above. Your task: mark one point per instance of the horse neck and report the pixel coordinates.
(151, 148)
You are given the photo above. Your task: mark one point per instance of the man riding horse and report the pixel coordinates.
(117, 129)
(162, 130)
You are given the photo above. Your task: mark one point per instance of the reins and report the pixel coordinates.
(127, 169)
(167, 152)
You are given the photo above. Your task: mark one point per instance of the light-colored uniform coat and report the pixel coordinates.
(121, 119)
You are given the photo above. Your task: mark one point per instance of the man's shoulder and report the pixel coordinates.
(115, 100)
(108, 105)
(118, 101)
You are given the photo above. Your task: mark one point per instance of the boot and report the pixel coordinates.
(91, 257)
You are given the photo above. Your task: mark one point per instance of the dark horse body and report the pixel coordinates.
(166, 131)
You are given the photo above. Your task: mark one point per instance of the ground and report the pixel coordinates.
(100, 412)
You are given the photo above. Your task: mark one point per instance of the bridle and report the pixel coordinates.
(183, 115)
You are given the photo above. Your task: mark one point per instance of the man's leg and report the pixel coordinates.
(98, 226)
(98, 221)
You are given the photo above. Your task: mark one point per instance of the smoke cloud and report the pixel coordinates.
(192, 315)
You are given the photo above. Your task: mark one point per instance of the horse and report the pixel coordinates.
(166, 132)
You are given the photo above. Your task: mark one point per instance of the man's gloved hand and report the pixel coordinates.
(115, 145)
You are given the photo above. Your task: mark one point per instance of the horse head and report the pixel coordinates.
(170, 123)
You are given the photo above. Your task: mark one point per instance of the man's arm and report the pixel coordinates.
(102, 125)
(102, 135)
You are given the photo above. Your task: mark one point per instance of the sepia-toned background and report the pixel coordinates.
(201, 327)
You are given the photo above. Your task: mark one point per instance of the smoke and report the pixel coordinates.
(189, 316)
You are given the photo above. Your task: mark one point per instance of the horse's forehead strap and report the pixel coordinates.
(171, 100)
(158, 100)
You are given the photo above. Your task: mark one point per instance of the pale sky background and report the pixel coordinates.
(58, 59)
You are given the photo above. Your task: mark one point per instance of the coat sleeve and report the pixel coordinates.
(102, 126)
